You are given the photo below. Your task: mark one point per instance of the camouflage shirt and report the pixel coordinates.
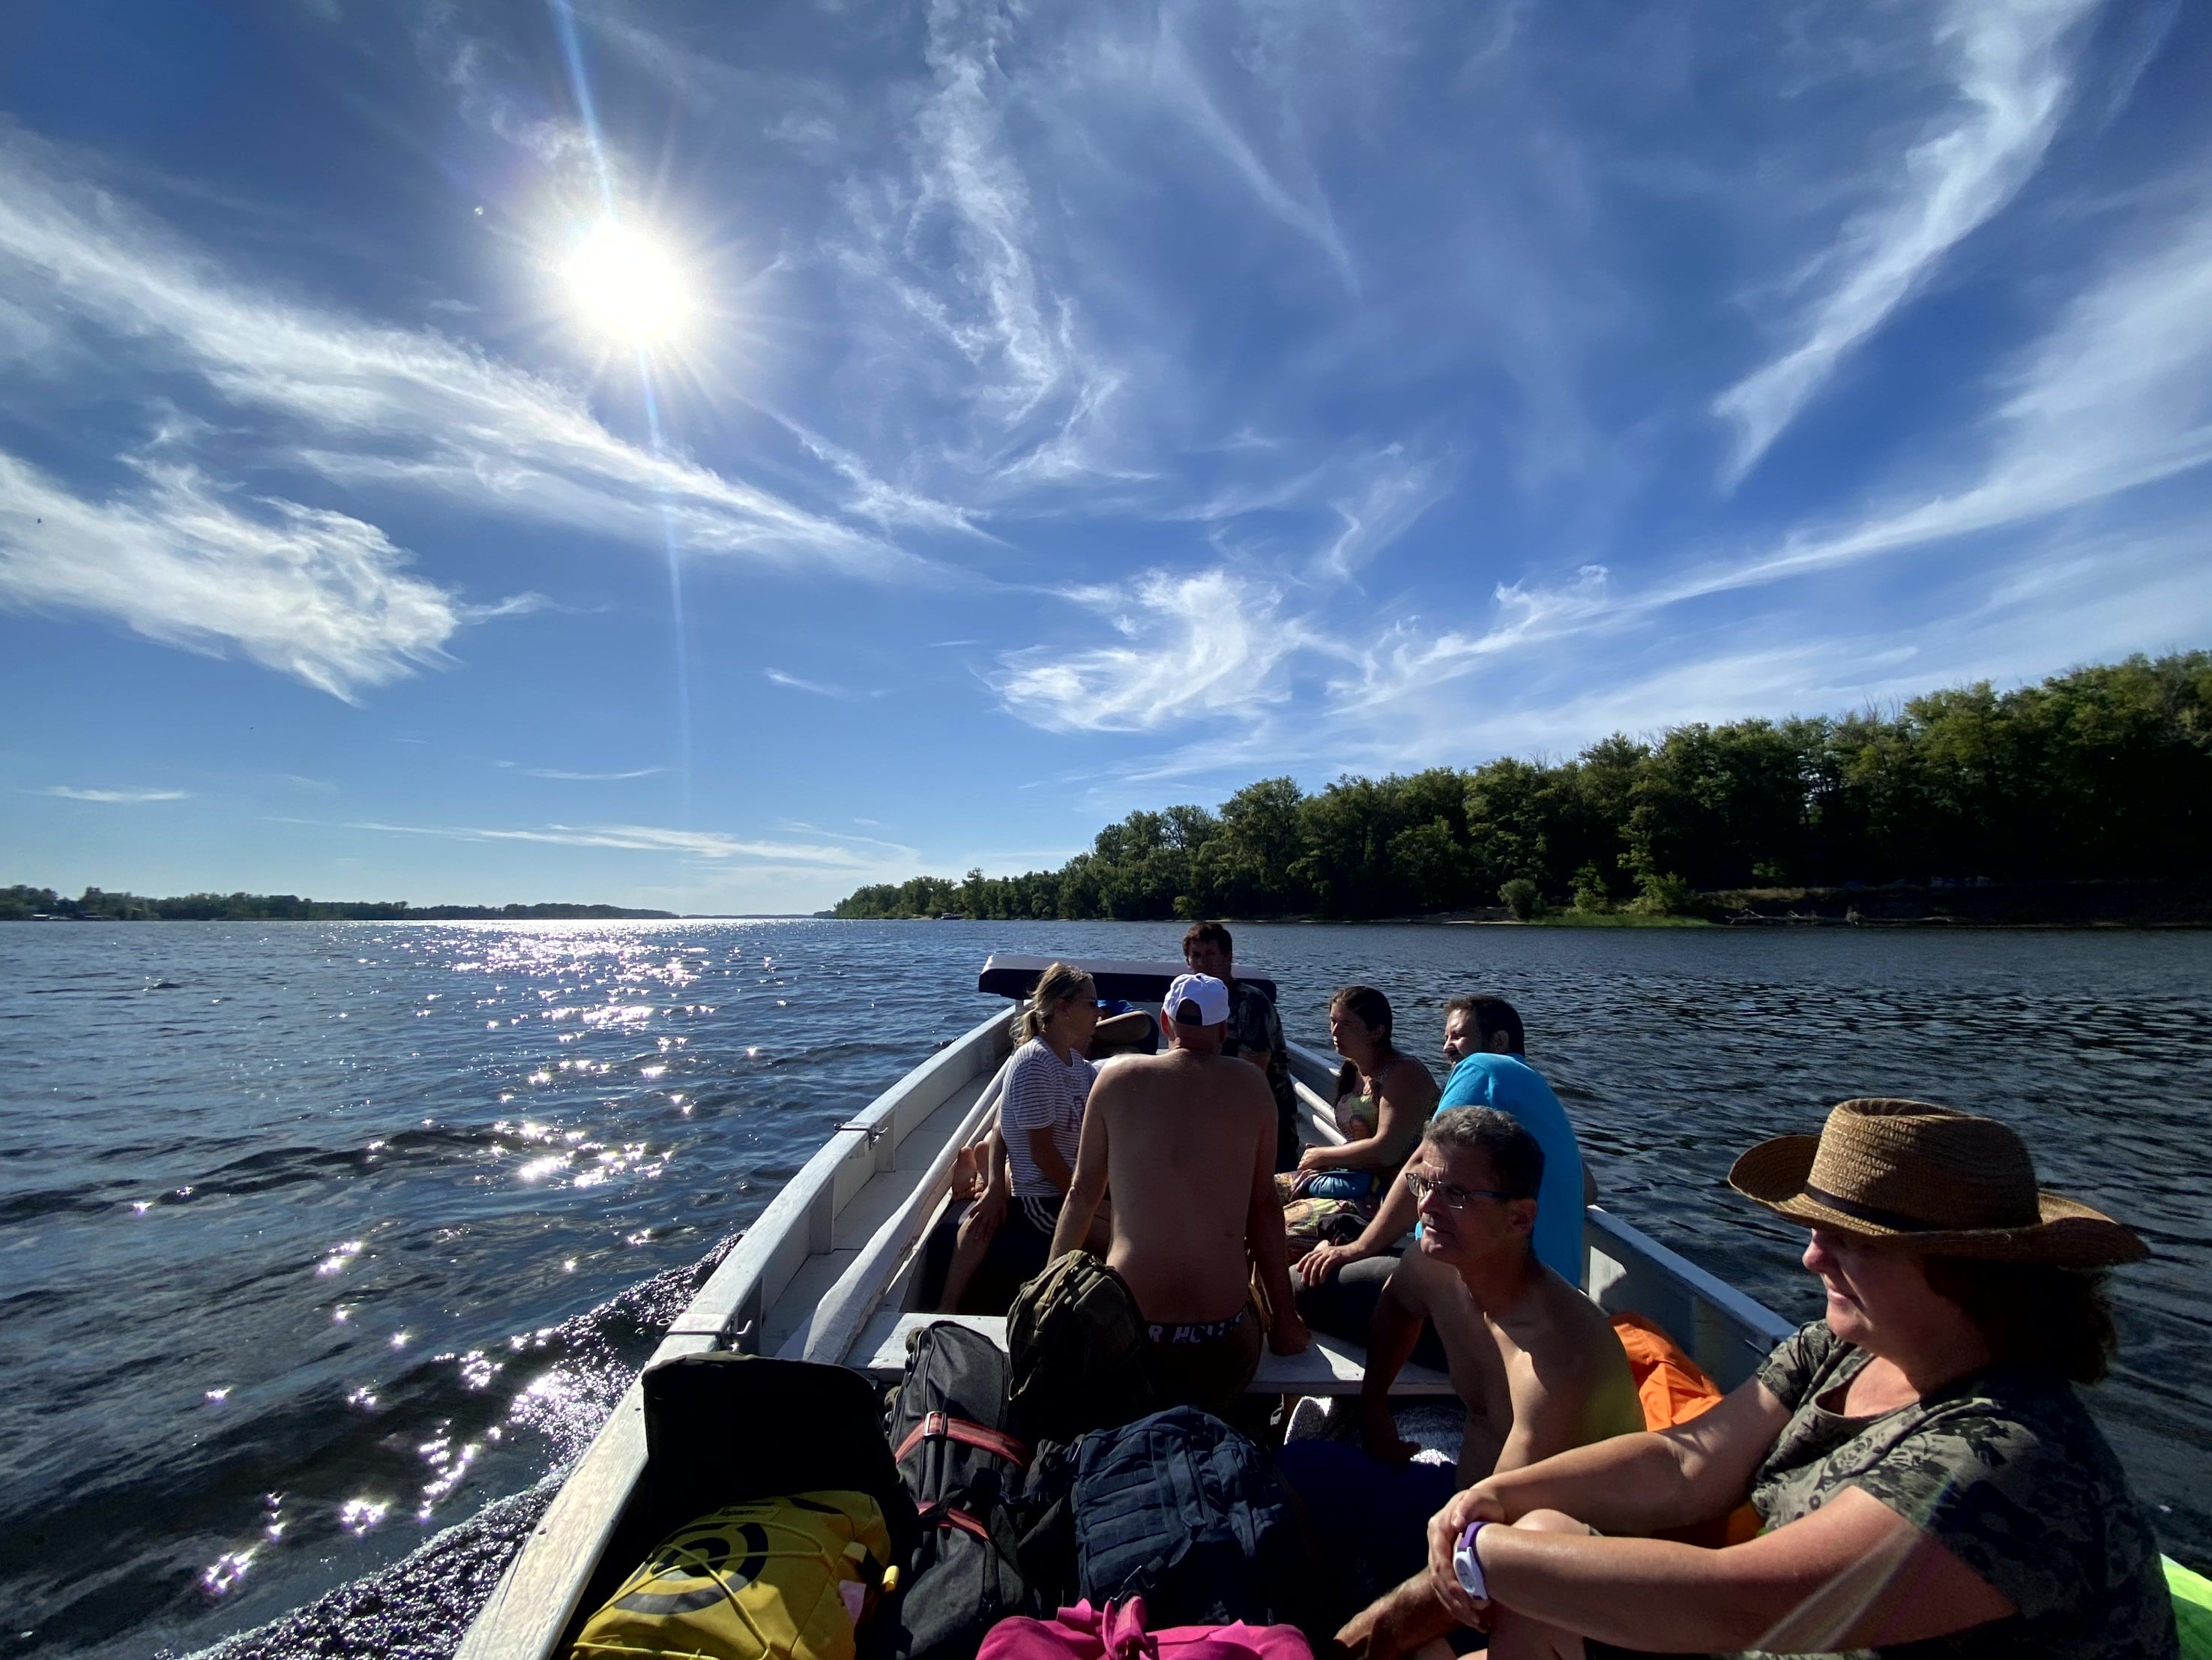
(2005, 1469)
(1253, 1025)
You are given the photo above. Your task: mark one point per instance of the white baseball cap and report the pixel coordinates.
(1207, 993)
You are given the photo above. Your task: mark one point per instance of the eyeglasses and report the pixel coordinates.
(1455, 1197)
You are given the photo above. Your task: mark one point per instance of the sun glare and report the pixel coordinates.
(627, 286)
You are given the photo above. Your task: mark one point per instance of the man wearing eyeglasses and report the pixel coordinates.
(1485, 1049)
(1535, 1362)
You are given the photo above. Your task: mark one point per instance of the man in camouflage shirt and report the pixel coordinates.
(1255, 1031)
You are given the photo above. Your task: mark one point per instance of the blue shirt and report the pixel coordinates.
(1511, 1084)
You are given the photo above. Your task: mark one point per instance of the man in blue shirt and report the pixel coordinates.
(1483, 1045)
(1483, 1041)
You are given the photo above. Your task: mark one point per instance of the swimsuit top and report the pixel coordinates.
(1357, 1116)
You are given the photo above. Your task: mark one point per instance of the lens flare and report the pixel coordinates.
(627, 286)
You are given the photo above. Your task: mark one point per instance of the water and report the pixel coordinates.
(323, 1246)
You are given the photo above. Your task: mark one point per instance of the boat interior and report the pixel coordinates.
(838, 1269)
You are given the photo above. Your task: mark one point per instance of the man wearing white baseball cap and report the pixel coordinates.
(1186, 1142)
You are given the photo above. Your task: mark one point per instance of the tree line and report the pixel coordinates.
(19, 903)
(2101, 773)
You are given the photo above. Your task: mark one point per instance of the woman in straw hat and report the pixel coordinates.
(1925, 1480)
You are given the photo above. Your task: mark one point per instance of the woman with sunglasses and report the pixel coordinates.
(1924, 1479)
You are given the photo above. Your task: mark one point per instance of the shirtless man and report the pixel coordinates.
(1186, 1142)
(1535, 1362)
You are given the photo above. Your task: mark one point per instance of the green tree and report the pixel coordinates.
(1523, 898)
(1592, 895)
(2103, 772)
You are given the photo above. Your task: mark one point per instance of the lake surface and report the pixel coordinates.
(323, 1246)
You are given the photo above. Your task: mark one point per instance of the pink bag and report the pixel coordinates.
(1117, 1632)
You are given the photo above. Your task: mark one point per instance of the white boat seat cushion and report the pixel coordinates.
(1329, 1366)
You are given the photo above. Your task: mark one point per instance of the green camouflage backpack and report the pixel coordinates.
(1077, 1351)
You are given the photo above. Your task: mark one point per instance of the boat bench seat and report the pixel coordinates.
(1330, 1365)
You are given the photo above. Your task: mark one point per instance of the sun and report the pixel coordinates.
(627, 286)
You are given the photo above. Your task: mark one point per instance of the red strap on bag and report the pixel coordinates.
(950, 1516)
(936, 1425)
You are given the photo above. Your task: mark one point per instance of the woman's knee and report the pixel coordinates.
(1513, 1637)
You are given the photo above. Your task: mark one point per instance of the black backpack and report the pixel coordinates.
(1180, 1509)
(947, 1426)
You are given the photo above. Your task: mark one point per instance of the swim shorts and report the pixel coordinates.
(1205, 1364)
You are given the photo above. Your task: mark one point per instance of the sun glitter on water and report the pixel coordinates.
(627, 286)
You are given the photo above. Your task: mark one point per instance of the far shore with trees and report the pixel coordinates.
(21, 903)
(2085, 798)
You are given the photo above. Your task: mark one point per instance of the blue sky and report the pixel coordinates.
(1062, 409)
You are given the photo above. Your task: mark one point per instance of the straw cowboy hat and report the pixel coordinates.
(1946, 1183)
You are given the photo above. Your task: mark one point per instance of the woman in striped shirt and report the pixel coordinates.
(1030, 1160)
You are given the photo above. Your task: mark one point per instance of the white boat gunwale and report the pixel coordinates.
(538, 1596)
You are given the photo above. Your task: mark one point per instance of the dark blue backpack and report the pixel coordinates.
(1180, 1509)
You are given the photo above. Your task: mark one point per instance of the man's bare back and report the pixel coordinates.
(1185, 1141)
(1185, 1134)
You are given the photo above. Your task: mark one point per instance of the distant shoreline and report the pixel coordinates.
(23, 903)
(443, 914)
(2107, 907)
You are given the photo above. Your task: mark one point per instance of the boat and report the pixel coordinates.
(831, 1271)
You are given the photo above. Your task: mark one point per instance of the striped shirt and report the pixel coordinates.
(1042, 1092)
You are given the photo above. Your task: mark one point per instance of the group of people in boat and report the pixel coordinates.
(1911, 1475)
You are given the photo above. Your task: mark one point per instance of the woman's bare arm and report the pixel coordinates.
(1121, 1031)
(1044, 1153)
(1087, 1187)
(1647, 1482)
(1853, 1574)
(1407, 1097)
(1407, 1101)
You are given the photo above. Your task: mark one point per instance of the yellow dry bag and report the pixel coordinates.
(775, 1579)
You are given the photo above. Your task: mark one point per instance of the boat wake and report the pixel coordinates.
(418, 1607)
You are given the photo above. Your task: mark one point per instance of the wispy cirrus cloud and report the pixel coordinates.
(878, 499)
(120, 798)
(2116, 395)
(704, 844)
(565, 776)
(816, 688)
(366, 404)
(321, 596)
(1406, 661)
(1302, 207)
(1397, 490)
(642, 838)
(2011, 68)
(1196, 646)
(953, 288)
(1017, 332)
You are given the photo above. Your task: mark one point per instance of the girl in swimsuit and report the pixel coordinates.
(1383, 1097)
